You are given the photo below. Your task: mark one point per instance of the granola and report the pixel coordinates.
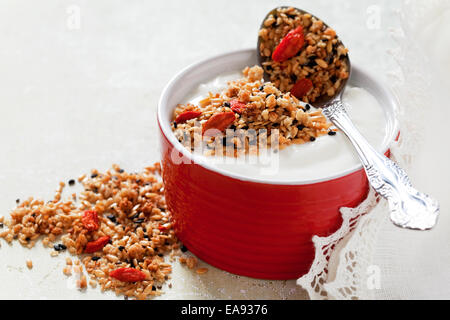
(128, 210)
(321, 58)
(248, 115)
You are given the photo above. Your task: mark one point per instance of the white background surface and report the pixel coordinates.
(76, 99)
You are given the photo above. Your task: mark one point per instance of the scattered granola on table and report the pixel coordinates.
(251, 106)
(302, 55)
(120, 229)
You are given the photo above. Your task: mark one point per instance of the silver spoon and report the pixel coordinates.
(409, 208)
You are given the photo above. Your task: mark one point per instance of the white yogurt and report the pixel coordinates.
(325, 157)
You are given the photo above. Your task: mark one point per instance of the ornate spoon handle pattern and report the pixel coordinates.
(409, 208)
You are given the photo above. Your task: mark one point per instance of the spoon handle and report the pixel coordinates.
(409, 208)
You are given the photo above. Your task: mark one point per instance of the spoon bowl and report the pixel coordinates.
(324, 99)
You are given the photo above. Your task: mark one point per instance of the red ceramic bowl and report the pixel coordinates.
(248, 226)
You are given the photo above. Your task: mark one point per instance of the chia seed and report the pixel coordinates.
(312, 139)
(226, 104)
(184, 249)
(300, 127)
(293, 77)
(95, 258)
(121, 248)
(307, 107)
(94, 175)
(174, 124)
(331, 133)
(112, 218)
(71, 182)
(311, 63)
(59, 247)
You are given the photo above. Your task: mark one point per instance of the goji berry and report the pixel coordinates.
(127, 275)
(187, 115)
(96, 245)
(90, 220)
(301, 88)
(237, 106)
(289, 46)
(219, 121)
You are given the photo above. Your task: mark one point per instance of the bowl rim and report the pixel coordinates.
(198, 160)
